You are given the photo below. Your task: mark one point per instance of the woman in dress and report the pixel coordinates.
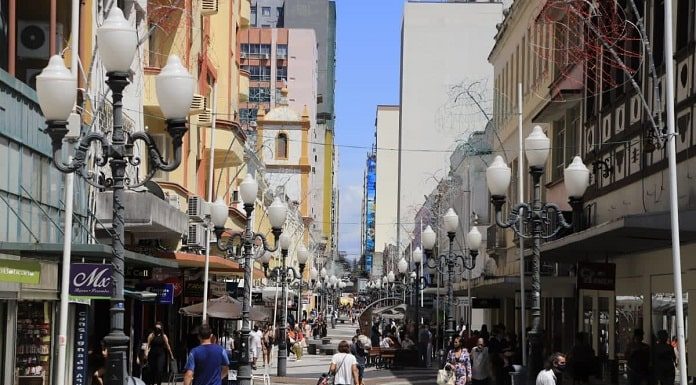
(459, 359)
(159, 353)
(267, 342)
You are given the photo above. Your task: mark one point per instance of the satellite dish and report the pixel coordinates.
(155, 189)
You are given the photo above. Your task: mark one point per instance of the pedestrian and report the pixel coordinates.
(298, 346)
(255, 345)
(581, 360)
(344, 366)
(207, 364)
(375, 335)
(638, 359)
(553, 368)
(267, 343)
(458, 357)
(158, 354)
(360, 352)
(480, 364)
(665, 359)
(424, 337)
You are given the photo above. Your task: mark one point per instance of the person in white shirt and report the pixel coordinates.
(553, 368)
(481, 364)
(344, 366)
(255, 345)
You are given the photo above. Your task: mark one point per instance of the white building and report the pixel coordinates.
(387, 127)
(443, 45)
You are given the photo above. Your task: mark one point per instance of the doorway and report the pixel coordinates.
(597, 319)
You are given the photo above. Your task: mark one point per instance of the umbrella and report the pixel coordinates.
(226, 308)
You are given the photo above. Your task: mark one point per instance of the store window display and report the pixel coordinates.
(33, 343)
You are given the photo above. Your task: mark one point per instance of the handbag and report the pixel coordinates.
(445, 377)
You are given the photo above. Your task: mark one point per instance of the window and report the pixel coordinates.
(258, 73)
(265, 11)
(259, 94)
(564, 144)
(247, 115)
(282, 51)
(253, 16)
(279, 12)
(658, 35)
(683, 15)
(282, 146)
(281, 73)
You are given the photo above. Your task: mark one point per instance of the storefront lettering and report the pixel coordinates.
(20, 271)
(90, 280)
(81, 343)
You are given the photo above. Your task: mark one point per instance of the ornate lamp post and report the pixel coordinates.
(302, 257)
(537, 214)
(57, 89)
(420, 281)
(283, 273)
(277, 213)
(451, 223)
(473, 241)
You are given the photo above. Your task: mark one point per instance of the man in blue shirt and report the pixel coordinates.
(207, 364)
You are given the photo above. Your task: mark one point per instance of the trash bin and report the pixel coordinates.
(232, 374)
(312, 348)
(519, 375)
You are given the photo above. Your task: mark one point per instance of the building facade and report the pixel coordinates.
(387, 127)
(369, 214)
(430, 70)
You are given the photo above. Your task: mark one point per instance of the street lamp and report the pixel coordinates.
(451, 223)
(282, 273)
(56, 89)
(277, 214)
(473, 241)
(302, 257)
(536, 214)
(420, 281)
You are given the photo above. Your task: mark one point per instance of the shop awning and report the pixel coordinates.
(89, 252)
(218, 265)
(552, 287)
(626, 235)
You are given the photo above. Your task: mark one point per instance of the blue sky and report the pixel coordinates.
(368, 46)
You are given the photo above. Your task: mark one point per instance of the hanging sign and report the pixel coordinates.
(92, 280)
(596, 276)
(165, 293)
(81, 346)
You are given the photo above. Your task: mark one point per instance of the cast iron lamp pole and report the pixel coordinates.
(302, 257)
(537, 214)
(473, 241)
(451, 223)
(283, 273)
(277, 213)
(420, 281)
(56, 90)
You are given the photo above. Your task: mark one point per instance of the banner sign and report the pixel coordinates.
(81, 346)
(91, 280)
(193, 289)
(165, 293)
(20, 271)
(596, 276)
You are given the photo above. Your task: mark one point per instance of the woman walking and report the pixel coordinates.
(267, 345)
(158, 353)
(344, 366)
(459, 359)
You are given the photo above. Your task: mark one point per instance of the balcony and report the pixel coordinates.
(228, 148)
(243, 85)
(245, 14)
(147, 216)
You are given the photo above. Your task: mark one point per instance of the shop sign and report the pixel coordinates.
(256, 298)
(81, 346)
(217, 289)
(91, 280)
(138, 272)
(596, 276)
(485, 303)
(165, 293)
(176, 284)
(20, 271)
(193, 289)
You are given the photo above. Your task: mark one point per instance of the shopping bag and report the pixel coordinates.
(445, 376)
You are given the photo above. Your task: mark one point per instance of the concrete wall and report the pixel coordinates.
(387, 127)
(443, 45)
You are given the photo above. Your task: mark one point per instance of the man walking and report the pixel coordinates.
(480, 368)
(553, 368)
(424, 338)
(207, 364)
(255, 345)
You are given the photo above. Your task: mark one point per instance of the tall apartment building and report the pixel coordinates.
(368, 213)
(320, 16)
(387, 136)
(430, 70)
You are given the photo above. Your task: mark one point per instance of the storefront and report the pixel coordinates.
(28, 301)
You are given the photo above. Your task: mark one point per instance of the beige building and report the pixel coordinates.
(387, 133)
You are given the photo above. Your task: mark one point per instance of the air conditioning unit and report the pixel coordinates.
(198, 208)
(209, 7)
(196, 235)
(265, 56)
(33, 39)
(243, 55)
(173, 200)
(281, 56)
(205, 118)
(197, 104)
